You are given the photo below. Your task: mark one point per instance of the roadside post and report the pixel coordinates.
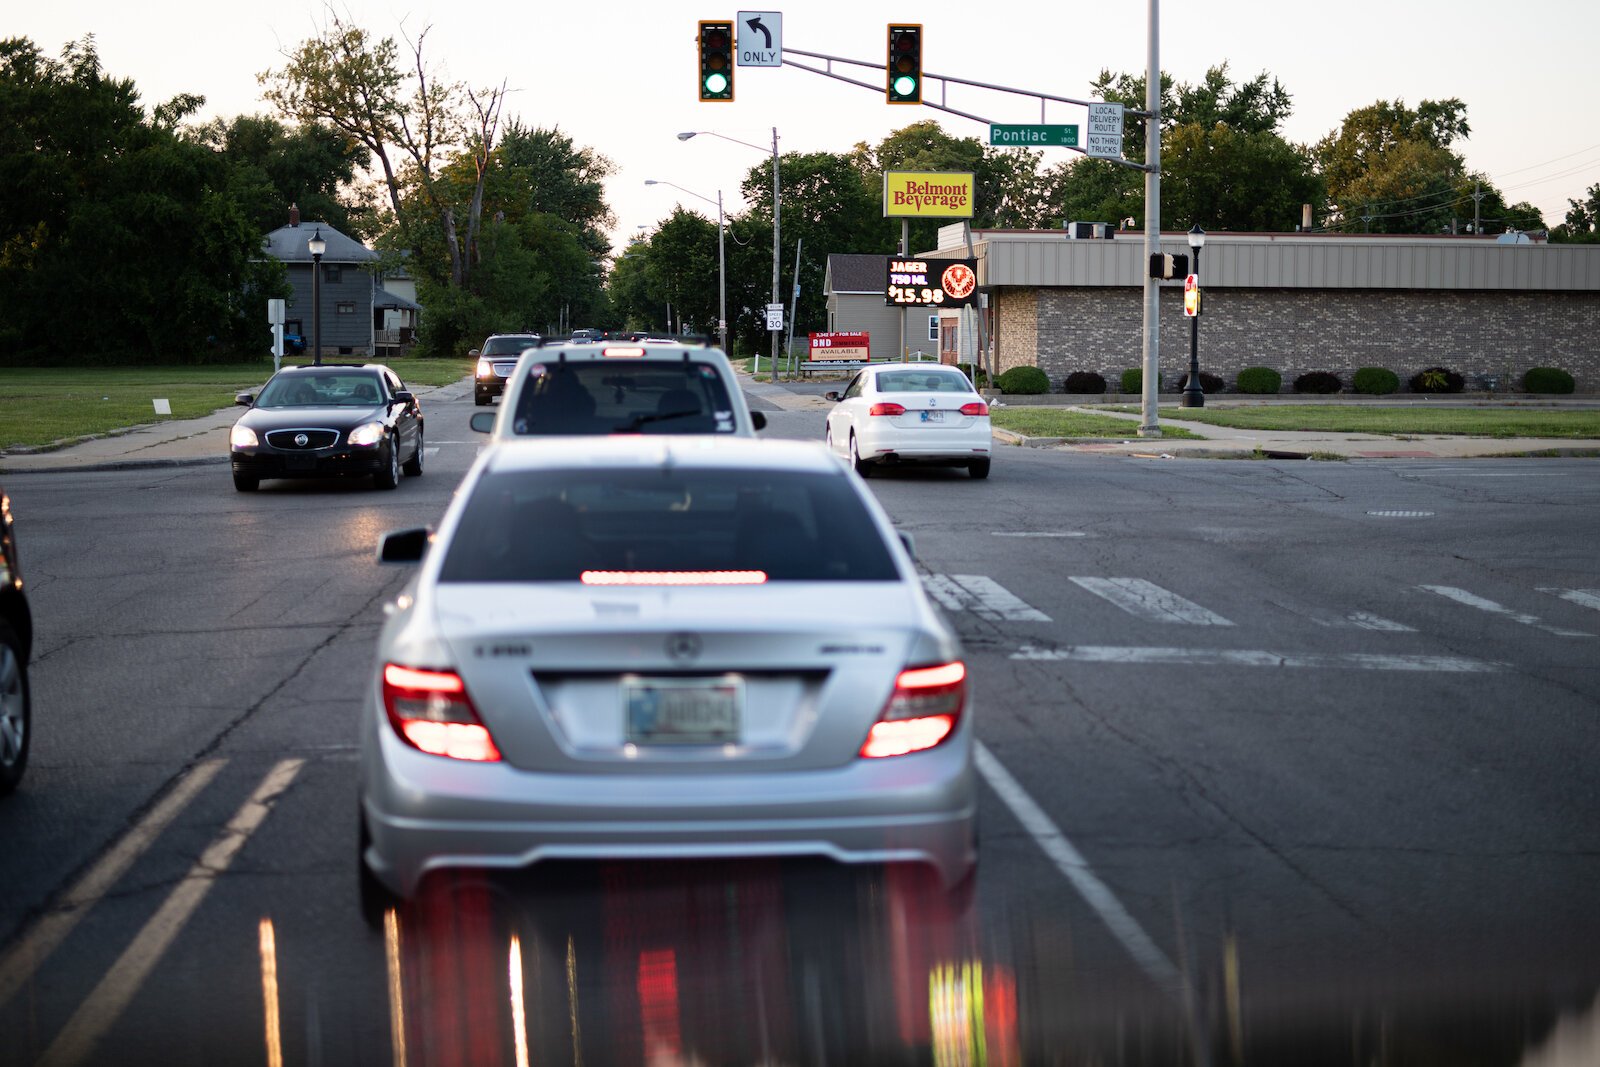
(1193, 395)
(275, 314)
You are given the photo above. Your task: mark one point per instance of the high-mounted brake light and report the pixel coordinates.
(431, 711)
(622, 353)
(673, 577)
(921, 712)
(887, 408)
(977, 407)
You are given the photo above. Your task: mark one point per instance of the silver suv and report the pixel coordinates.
(620, 387)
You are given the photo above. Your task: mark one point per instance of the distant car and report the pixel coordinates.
(631, 387)
(584, 335)
(647, 648)
(293, 344)
(898, 413)
(16, 648)
(331, 420)
(495, 360)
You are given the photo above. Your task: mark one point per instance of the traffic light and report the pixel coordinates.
(905, 63)
(716, 61)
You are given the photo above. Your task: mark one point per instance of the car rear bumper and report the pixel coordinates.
(425, 813)
(918, 445)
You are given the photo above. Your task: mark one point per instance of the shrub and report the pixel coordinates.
(1260, 380)
(1547, 380)
(1209, 383)
(1436, 380)
(1132, 380)
(1087, 381)
(1317, 381)
(1024, 380)
(1375, 381)
(976, 377)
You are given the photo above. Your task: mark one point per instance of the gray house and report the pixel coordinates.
(350, 293)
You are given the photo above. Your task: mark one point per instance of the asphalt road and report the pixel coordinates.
(1285, 762)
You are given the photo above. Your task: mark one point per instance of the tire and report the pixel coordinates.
(862, 467)
(413, 465)
(389, 476)
(978, 468)
(376, 898)
(16, 717)
(245, 483)
(479, 399)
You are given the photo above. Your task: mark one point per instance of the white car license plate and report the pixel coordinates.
(682, 711)
(933, 416)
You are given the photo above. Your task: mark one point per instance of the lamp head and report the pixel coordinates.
(1197, 237)
(686, 136)
(651, 181)
(316, 245)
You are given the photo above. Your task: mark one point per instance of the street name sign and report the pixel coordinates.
(1033, 134)
(1105, 131)
(760, 35)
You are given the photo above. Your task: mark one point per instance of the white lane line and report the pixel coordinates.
(1461, 596)
(1070, 862)
(1150, 602)
(1366, 620)
(1229, 657)
(105, 1004)
(18, 965)
(1037, 533)
(1587, 598)
(984, 597)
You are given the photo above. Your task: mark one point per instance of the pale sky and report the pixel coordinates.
(620, 76)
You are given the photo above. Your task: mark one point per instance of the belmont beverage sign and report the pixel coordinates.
(840, 348)
(926, 195)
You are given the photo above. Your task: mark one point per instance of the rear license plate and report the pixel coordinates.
(933, 416)
(682, 711)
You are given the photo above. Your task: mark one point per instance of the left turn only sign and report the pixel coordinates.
(760, 36)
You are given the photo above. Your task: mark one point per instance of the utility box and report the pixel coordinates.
(1089, 231)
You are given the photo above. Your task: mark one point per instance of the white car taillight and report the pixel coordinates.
(243, 437)
(431, 711)
(887, 408)
(922, 711)
(975, 408)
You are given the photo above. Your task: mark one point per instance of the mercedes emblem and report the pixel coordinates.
(301, 440)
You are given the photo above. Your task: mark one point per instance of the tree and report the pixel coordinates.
(275, 165)
(1582, 224)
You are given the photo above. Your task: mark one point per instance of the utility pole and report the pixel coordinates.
(777, 335)
(1477, 198)
(1149, 425)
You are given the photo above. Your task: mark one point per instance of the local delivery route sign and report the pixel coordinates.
(927, 195)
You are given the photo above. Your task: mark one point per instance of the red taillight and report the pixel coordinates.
(887, 409)
(922, 711)
(975, 408)
(431, 711)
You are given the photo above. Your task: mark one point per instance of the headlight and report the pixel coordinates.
(485, 369)
(367, 434)
(243, 437)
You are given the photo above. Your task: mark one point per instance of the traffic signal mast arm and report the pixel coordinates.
(944, 80)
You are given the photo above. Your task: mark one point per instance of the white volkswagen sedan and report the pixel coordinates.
(668, 647)
(907, 413)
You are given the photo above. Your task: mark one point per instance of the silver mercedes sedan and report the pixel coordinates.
(671, 647)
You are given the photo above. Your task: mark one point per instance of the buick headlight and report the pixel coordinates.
(485, 369)
(243, 437)
(367, 434)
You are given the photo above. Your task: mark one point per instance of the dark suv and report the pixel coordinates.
(496, 359)
(16, 646)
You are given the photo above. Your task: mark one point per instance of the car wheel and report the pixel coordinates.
(15, 724)
(862, 467)
(827, 437)
(389, 476)
(245, 483)
(414, 464)
(376, 898)
(978, 468)
(479, 399)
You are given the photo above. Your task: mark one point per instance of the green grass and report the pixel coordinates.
(1054, 422)
(1476, 422)
(39, 405)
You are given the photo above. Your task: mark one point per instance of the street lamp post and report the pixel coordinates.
(777, 211)
(1193, 395)
(316, 246)
(722, 263)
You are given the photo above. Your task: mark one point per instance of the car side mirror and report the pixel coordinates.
(404, 396)
(244, 399)
(909, 541)
(474, 353)
(483, 421)
(758, 419)
(404, 546)
(833, 394)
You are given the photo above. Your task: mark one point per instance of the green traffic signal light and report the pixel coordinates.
(716, 61)
(905, 63)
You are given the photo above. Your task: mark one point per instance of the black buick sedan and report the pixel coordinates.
(328, 421)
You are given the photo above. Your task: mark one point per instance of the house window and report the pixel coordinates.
(933, 327)
(347, 307)
(330, 274)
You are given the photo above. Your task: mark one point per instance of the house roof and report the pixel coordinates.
(851, 272)
(385, 299)
(288, 243)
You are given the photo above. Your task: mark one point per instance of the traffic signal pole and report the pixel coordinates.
(1149, 422)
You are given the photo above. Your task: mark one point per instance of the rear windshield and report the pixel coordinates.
(648, 396)
(329, 389)
(507, 346)
(552, 526)
(913, 381)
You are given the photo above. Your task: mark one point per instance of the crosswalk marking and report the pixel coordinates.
(1227, 657)
(1587, 598)
(1461, 596)
(1366, 620)
(1150, 602)
(984, 597)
